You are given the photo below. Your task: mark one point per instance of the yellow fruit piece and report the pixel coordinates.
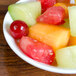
(54, 36)
(72, 41)
(75, 1)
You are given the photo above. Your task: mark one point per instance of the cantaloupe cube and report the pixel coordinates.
(72, 41)
(54, 36)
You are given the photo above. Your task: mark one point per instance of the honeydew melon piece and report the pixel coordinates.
(27, 12)
(66, 57)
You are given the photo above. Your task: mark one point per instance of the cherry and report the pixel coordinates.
(18, 29)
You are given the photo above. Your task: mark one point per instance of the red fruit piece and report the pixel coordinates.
(47, 4)
(54, 15)
(37, 50)
(18, 29)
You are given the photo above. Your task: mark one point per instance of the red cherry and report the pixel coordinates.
(18, 29)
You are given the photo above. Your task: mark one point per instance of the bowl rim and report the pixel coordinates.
(17, 51)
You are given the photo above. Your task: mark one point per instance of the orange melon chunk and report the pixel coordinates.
(72, 41)
(54, 36)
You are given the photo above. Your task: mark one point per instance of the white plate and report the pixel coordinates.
(14, 47)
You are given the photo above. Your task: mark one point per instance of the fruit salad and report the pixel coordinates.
(45, 30)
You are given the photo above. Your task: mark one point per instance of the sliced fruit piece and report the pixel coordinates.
(47, 4)
(66, 24)
(37, 50)
(27, 12)
(54, 36)
(72, 19)
(66, 57)
(72, 41)
(64, 6)
(63, 1)
(54, 15)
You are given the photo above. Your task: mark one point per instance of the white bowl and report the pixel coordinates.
(14, 47)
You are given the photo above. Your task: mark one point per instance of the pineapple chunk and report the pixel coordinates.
(54, 36)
